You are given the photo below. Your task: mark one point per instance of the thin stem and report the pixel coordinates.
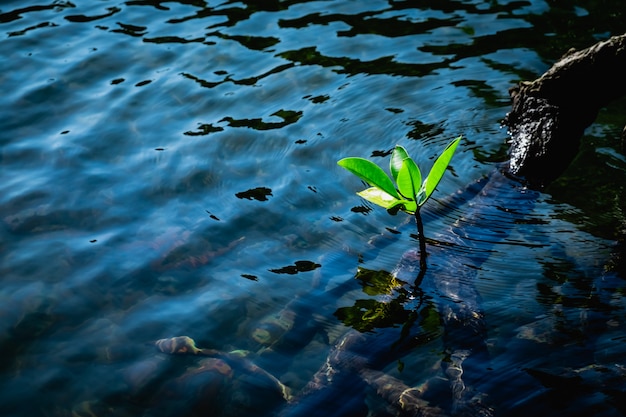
(422, 240)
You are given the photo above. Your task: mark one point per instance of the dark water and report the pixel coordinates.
(169, 168)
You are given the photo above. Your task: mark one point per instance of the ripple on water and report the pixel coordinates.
(170, 169)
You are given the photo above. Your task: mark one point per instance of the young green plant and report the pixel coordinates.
(409, 192)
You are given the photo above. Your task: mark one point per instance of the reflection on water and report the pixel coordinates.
(169, 169)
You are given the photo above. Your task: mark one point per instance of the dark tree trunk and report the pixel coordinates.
(550, 114)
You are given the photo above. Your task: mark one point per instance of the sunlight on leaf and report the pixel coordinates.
(377, 196)
(398, 155)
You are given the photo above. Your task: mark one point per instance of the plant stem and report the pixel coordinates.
(422, 239)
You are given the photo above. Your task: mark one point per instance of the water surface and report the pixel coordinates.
(169, 168)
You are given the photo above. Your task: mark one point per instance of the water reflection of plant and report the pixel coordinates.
(369, 314)
(411, 192)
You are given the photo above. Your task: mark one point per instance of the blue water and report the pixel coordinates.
(169, 168)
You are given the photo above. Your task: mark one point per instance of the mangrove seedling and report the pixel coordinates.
(409, 192)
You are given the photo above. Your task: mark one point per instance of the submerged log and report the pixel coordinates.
(550, 114)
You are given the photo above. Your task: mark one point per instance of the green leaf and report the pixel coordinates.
(379, 197)
(437, 171)
(409, 179)
(421, 197)
(370, 173)
(409, 207)
(398, 155)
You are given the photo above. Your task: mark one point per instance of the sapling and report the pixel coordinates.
(409, 192)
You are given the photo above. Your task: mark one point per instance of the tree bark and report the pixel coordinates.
(549, 115)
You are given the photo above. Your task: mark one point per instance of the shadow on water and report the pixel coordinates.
(169, 168)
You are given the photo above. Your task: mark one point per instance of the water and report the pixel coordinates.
(169, 168)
